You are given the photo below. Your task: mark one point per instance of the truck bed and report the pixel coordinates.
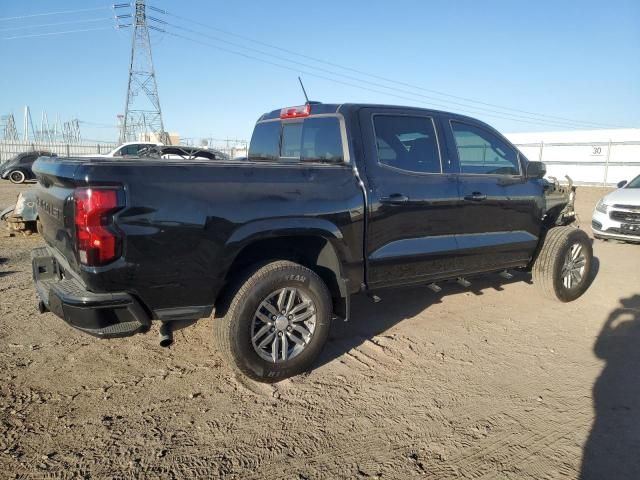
(183, 222)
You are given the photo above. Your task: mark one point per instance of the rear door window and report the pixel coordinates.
(408, 143)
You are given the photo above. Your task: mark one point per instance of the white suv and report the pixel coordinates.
(617, 215)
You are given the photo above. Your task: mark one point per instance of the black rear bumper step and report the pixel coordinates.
(105, 315)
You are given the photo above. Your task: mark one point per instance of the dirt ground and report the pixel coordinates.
(487, 382)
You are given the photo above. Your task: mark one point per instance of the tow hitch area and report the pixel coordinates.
(104, 315)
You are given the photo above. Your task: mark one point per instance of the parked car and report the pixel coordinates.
(617, 215)
(334, 200)
(18, 168)
(127, 149)
(177, 152)
(182, 152)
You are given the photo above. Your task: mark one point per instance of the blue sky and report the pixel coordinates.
(572, 59)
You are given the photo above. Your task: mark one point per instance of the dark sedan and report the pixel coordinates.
(18, 168)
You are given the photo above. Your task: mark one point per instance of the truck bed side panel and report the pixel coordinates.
(182, 222)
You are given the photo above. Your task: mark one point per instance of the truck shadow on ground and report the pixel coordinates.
(369, 319)
(613, 447)
(2, 262)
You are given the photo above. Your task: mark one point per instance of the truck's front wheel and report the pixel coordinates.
(563, 268)
(275, 321)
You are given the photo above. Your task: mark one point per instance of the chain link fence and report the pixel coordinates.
(235, 149)
(10, 149)
(593, 163)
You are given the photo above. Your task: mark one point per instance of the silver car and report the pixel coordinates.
(617, 215)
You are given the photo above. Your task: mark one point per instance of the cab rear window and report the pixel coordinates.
(265, 142)
(309, 140)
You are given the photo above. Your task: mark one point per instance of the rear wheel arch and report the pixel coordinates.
(246, 331)
(313, 251)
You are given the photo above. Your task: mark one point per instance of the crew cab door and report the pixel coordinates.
(500, 209)
(412, 194)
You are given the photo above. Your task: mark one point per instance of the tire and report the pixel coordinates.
(254, 301)
(17, 176)
(551, 268)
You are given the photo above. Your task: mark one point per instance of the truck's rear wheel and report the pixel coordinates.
(275, 322)
(563, 267)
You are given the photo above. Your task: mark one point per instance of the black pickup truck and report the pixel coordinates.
(333, 200)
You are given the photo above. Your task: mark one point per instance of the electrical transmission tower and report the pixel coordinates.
(8, 128)
(143, 116)
(71, 131)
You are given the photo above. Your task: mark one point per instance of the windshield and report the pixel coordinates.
(635, 183)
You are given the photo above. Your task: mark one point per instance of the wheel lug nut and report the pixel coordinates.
(273, 317)
(284, 311)
(289, 329)
(290, 317)
(279, 334)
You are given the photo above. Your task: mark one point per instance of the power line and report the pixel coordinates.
(528, 114)
(512, 116)
(89, 20)
(2, 19)
(57, 33)
(98, 125)
(313, 74)
(431, 103)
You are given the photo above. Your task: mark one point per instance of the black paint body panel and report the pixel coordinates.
(185, 222)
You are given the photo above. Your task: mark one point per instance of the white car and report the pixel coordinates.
(129, 149)
(617, 215)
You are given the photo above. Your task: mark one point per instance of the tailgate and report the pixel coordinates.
(54, 200)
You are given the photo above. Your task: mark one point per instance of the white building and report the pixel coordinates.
(595, 157)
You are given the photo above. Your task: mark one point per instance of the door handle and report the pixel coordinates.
(395, 199)
(475, 197)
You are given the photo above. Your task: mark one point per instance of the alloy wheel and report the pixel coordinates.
(574, 266)
(283, 325)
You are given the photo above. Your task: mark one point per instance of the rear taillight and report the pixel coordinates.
(97, 240)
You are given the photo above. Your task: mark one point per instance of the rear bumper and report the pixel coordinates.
(105, 315)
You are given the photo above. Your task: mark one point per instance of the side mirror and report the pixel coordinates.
(622, 183)
(536, 170)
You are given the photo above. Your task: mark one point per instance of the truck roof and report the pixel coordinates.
(318, 108)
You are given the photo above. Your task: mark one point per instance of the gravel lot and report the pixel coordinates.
(487, 382)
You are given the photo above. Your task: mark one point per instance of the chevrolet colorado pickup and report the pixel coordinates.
(333, 200)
